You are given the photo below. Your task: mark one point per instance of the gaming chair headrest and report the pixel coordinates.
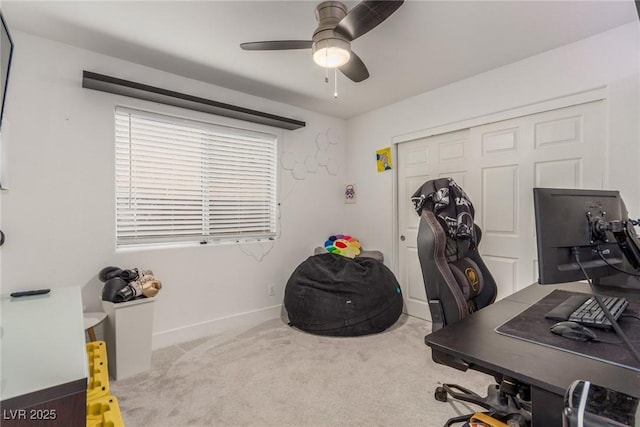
(451, 206)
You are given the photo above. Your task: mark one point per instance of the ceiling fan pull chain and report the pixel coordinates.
(326, 75)
(335, 80)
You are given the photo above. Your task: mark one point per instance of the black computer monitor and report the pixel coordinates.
(592, 224)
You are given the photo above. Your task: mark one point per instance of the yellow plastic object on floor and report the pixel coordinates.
(485, 420)
(98, 384)
(104, 412)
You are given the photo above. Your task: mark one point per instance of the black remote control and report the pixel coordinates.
(29, 293)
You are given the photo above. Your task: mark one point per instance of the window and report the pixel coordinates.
(181, 180)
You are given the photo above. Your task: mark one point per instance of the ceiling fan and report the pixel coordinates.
(337, 28)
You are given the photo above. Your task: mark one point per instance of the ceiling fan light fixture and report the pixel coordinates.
(337, 28)
(331, 53)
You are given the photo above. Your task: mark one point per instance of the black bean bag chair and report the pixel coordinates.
(334, 295)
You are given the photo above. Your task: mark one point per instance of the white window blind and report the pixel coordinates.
(180, 180)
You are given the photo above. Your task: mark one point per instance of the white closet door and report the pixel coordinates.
(498, 164)
(561, 148)
(419, 161)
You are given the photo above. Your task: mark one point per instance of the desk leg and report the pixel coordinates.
(546, 408)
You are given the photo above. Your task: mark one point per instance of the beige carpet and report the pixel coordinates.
(274, 375)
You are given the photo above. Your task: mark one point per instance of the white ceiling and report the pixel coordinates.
(424, 45)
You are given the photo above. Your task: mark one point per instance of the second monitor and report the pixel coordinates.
(592, 225)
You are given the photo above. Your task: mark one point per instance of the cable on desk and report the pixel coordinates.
(605, 310)
(615, 267)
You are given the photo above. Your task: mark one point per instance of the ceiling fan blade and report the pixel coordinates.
(365, 16)
(277, 45)
(355, 69)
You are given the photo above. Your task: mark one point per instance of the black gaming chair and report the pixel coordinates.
(457, 283)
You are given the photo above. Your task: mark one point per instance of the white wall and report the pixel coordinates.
(609, 59)
(59, 212)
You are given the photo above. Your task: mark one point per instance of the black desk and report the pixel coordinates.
(549, 371)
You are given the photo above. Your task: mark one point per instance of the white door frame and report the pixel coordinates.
(600, 93)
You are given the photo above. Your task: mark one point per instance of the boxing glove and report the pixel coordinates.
(109, 273)
(111, 288)
(150, 286)
(130, 275)
(129, 292)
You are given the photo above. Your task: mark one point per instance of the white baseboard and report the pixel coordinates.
(214, 327)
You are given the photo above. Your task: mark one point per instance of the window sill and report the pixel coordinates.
(185, 245)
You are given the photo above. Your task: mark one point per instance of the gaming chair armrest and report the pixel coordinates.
(462, 365)
(437, 314)
(448, 360)
(437, 322)
(455, 362)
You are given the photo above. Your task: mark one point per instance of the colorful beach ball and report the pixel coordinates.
(344, 245)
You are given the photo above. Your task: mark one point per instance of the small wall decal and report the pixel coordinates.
(350, 193)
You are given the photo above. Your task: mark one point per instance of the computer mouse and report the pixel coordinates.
(574, 330)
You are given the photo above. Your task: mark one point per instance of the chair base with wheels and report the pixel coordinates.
(506, 403)
(484, 419)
